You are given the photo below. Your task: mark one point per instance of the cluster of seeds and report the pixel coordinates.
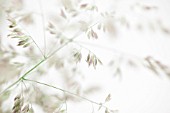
(24, 40)
(93, 60)
(77, 56)
(92, 34)
(19, 106)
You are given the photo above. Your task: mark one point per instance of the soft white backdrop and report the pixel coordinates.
(138, 90)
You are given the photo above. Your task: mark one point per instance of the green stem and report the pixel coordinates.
(39, 63)
(10, 86)
(21, 78)
(32, 68)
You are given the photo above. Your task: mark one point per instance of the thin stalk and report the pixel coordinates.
(37, 47)
(33, 40)
(70, 40)
(65, 91)
(43, 25)
(10, 86)
(58, 36)
(33, 68)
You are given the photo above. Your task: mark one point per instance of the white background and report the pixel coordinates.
(138, 90)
